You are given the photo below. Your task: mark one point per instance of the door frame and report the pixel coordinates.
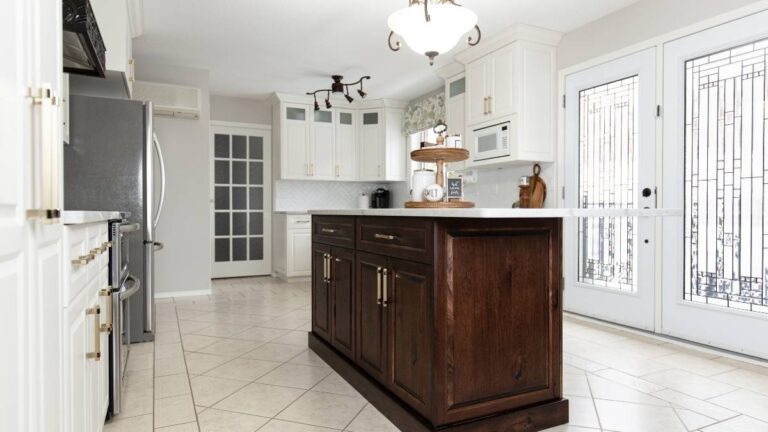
(635, 309)
(216, 126)
(680, 317)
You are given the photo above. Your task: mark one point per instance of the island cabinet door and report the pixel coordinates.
(342, 301)
(371, 338)
(321, 291)
(408, 299)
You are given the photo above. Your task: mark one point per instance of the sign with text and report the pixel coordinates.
(454, 188)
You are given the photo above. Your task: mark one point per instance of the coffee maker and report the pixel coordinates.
(380, 198)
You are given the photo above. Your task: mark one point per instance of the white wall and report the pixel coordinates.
(232, 109)
(638, 22)
(184, 226)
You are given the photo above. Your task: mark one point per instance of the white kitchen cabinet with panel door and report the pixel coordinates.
(381, 143)
(322, 138)
(346, 145)
(292, 139)
(119, 22)
(292, 246)
(491, 92)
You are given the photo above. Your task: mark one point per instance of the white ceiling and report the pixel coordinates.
(255, 47)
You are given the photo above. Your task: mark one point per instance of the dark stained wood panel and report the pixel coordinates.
(371, 324)
(407, 238)
(321, 316)
(343, 307)
(410, 319)
(334, 230)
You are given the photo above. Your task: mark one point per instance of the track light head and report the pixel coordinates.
(328, 104)
(349, 98)
(362, 93)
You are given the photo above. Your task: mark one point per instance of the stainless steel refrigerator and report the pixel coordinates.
(114, 162)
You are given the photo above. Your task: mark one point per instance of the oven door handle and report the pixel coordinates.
(129, 227)
(130, 287)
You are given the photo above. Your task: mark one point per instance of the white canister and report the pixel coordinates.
(363, 202)
(421, 179)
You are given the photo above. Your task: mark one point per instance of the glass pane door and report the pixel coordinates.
(610, 146)
(241, 204)
(715, 169)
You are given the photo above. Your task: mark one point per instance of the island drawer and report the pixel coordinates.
(334, 230)
(396, 237)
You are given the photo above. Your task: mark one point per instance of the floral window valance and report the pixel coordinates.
(424, 113)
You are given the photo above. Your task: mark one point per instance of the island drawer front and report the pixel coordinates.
(334, 230)
(409, 239)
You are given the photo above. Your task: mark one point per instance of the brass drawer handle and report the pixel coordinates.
(97, 250)
(96, 354)
(384, 236)
(328, 230)
(384, 276)
(83, 260)
(107, 292)
(378, 285)
(106, 245)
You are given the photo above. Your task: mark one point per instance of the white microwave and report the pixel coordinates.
(491, 142)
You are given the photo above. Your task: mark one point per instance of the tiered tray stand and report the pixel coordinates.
(440, 156)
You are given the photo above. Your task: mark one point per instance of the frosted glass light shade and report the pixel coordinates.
(448, 23)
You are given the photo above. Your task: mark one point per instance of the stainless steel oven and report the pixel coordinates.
(124, 285)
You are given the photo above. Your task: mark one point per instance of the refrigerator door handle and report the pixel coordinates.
(160, 159)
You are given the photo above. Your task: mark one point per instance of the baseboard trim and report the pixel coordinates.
(162, 295)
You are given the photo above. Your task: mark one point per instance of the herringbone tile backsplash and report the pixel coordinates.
(299, 196)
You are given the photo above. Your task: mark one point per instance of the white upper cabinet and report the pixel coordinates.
(455, 97)
(491, 86)
(117, 29)
(346, 145)
(322, 165)
(479, 80)
(362, 143)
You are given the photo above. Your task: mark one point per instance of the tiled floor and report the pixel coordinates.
(237, 361)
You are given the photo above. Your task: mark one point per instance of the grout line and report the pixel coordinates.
(186, 370)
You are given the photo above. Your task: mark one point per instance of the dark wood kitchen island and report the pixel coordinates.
(445, 320)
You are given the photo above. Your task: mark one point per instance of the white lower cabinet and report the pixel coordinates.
(292, 245)
(87, 323)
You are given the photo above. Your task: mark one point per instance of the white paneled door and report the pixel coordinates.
(715, 165)
(609, 163)
(241, 207)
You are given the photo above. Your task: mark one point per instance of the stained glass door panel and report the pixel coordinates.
(241, 203)
(610, 146)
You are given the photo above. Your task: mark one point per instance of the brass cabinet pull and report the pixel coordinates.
(337, 171)
(107, 292)
(490, 104)
(106, 245)
(311, 169)
(328, 266)
(96, 354)
(83, 260)
(384, 236)
(378, 285)
(384, 275)
(325, 268)
(328, 230)
(97, 250)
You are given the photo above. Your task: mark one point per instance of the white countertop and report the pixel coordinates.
(504, 213)
(76, 217)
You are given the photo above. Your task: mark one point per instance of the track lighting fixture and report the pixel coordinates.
(339, 87)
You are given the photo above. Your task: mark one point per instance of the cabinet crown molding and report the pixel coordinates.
(277, 98)
(136, 17)
(450, 70)
(517, 32)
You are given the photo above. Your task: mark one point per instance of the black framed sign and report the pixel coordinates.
(454, 188)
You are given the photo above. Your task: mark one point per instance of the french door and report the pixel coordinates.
(715, 165)
(242, 204)
(610, 146)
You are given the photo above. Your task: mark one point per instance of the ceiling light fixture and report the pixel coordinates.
(339, 87)
(434, 30)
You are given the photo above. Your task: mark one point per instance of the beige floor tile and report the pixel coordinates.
(198, 363)
(222, 330)
(274, 352)
(193, 342)
(609, 390)
(335, 384)
(213, 420)
(187, 326)
(166, 326)
(582, 363)
(631, 417)
(293, 337)
(569, 428)
(209, 390)
(169, 350)
(141, 423)
(171, 385)
(139, 379)
(284, 323)
(167, 337)
(284, 426)
(136, 402)
(697, 405)
(243, 369)
(738, 424)
(174, 411)
(745, 378)
(576, 385)
(143, 347)
(693, 420)
(295, 375)
(760, 367)
(186, 427)
(323, 409)
(700, 364)
(260, 400)
(230, 347)
(629, 380)
(308, 358)
(260, 334)
(371, 420)
(170, 366)
(140, 361)
(689, 383)
(582, 412)
(746, 402)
